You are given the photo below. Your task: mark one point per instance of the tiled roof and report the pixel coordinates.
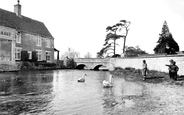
(10, 19)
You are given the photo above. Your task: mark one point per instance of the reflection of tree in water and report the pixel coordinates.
(5, 86)
(28, 93)
(108, 92)
(114, 104)
(109, 98)
(25, 104)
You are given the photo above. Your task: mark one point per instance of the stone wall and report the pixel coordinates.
(154, 62)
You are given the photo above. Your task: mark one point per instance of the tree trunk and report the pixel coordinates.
(114, 46)
(124, 45)
(125, 41)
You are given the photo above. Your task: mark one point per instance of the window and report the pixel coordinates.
(18, 37)
(39, 55)
(48, 43)
(30, 54)
(38, 41)
(48, 57)
(18, 53)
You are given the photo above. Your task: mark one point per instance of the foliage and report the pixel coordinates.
(109, 47)
(71, 54)
(44, 64)
(100, 54)
(68, 58)
(104, 52)
(111, 37)
(134, 51)
(125, 25)
(116, 56)
(88, 55)
(69, 63)
(166, 43)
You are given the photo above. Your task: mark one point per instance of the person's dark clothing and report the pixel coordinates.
(144, 69)
(173, 69)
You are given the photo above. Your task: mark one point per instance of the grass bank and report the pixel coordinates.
(132, 74)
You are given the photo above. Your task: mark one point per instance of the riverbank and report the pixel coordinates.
(160, 95)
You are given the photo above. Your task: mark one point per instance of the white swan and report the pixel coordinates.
(108, 84)
(82, 79)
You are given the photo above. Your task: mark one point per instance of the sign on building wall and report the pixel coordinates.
(6, 33)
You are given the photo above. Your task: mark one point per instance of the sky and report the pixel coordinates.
(81, 24)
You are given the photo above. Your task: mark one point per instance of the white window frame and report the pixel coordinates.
(39, 55)
(18, 53)
(30, 54)
(38, 41)
(18, 38)
(48, 56)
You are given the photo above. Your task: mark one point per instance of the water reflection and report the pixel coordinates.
(58, 92)
(25, 92)
(76, 97)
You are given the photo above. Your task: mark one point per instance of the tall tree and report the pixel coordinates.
(112, 36)
(104, 52)
(100, 54)
(124, 25)
(166, 43)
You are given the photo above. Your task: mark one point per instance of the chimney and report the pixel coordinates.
(17, 9)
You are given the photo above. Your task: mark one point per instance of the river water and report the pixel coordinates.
(57, 92)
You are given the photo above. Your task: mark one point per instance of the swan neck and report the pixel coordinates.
(83, 76)
(110, 78)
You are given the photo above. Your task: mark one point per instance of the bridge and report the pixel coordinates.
(155, 62)
(93, 63)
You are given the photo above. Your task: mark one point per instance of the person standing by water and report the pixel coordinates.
(173, 69)
(144, 69)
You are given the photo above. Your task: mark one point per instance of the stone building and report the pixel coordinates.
(20, 34)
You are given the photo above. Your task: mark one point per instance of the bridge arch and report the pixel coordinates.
(97, 67)
(80, 66)
(92, 63)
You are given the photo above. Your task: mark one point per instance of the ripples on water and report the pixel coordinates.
(58, 93)
(25, 92)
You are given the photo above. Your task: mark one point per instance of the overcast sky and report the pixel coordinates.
(81, 24)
